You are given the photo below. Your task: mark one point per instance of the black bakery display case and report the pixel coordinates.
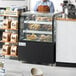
(36, 38)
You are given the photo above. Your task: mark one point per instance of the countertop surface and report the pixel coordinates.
(17, 68)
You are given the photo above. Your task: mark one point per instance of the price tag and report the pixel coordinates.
(22, 44)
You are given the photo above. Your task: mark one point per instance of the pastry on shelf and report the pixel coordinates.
(14, 24)
(5, 49)
(38, 18)
(7, 23)
(49, 19)
(44, 27)
(14, 50)
(49, 28)
(45, 38)
(6, 36)
(43, 19)
(42, 37)
(34, 26)
(14, 37)
(31, 37)
(49, 38)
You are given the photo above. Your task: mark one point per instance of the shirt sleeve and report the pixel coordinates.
(52, 8)
(36, 6)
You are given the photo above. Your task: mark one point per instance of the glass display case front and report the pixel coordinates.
(36, 38)
(36, 27)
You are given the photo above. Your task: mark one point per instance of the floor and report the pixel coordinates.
(17, 68)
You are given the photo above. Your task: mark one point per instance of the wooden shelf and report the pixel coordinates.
(8, 29)
(8, 41)
(38, 22)
(14, 15)
(9, 15)
(9, 55)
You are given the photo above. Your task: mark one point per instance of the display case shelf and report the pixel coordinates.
(37, 32)
(37, 14)
(37, 22)
(37, 40)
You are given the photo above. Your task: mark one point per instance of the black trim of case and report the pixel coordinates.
(65, 64)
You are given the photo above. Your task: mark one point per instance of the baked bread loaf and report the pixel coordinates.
(5, 49)
(14, 24)
(7, 23)
(14, 50)
(6, 36)
(14, 37)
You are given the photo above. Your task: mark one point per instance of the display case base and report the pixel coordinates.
(37, 52)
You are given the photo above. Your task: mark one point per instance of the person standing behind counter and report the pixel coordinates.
(44, 6)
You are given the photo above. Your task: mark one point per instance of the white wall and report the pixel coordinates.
(56, 4)
(66, 41)
(14, 3)
(31, 4)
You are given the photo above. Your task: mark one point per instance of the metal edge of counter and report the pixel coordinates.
(66, 19)
(64, 64)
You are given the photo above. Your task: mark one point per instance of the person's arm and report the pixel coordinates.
(52, 8)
